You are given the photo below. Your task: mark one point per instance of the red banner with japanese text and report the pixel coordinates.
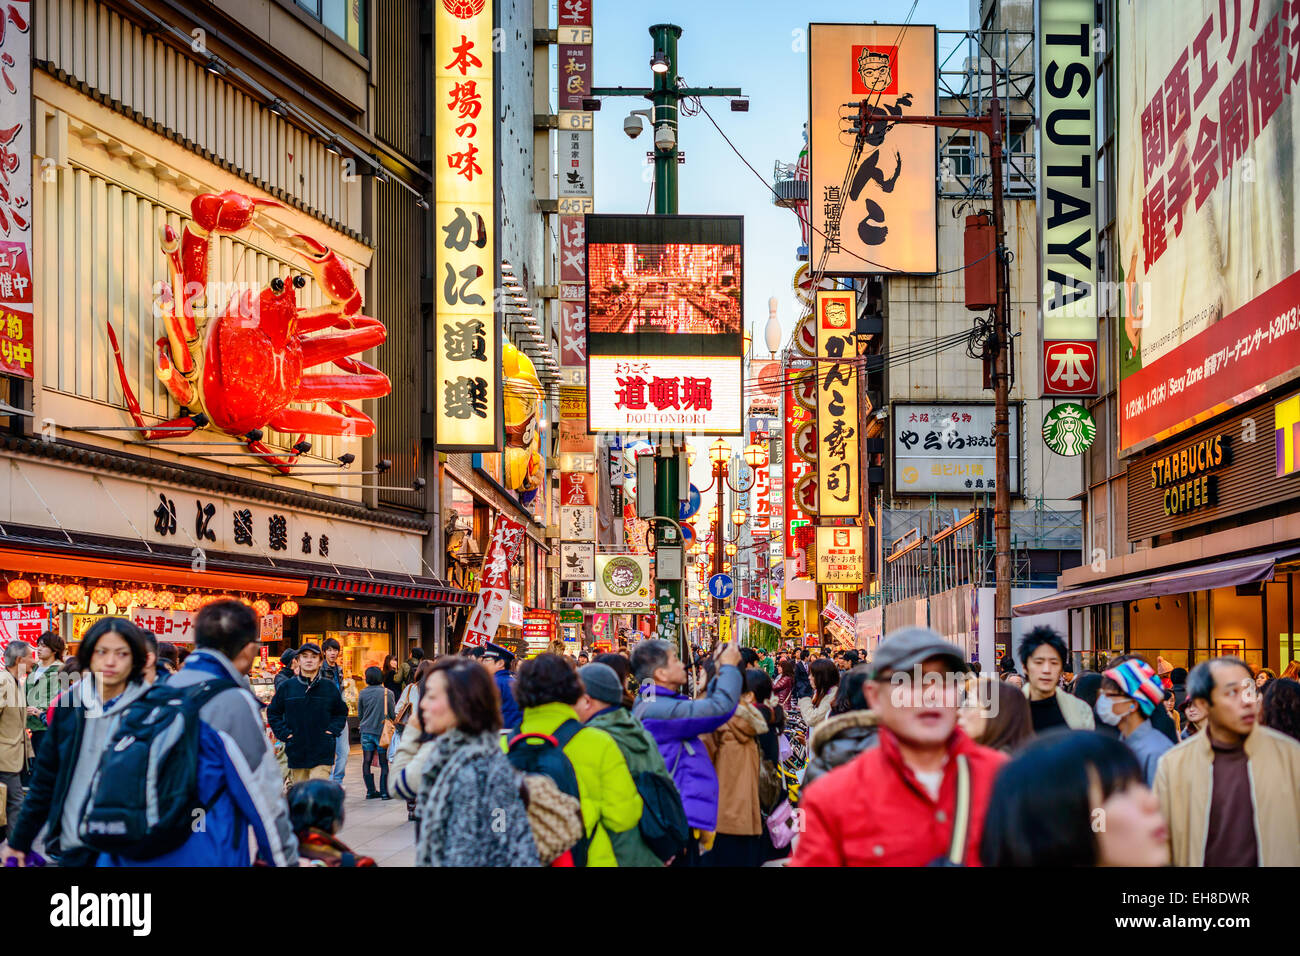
(494, 585)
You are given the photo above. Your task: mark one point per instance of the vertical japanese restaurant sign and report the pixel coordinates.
(1206, 210)
(840, 558)
(467, 386)
(796, 468)
(838, 465)
(761, 512)
(23, 622)
(886, 218)
(16, 333)
(494, 586)
(1067, 200)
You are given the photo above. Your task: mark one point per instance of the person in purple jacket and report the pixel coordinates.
(676, 723)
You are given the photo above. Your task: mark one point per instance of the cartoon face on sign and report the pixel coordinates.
(874, 70)
(835, 316)
(622, 576)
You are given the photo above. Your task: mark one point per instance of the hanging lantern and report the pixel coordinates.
(246, 602)
(101, 595)
(20, 590)
(262, 607)
(74, 593)
(165, 599)
(121, 598)
(54, 593)
(289, 608)
(142, 596)
(207, 599)
(192, 601)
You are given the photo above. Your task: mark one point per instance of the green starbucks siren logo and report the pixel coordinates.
(1069, 429)
(622, 576)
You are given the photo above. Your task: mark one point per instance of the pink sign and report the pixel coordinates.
(767, 613)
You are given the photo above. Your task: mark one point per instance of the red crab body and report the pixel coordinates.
(241, 367)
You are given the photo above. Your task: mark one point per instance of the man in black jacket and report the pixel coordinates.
(308, 714)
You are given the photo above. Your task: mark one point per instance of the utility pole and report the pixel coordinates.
(665, 96)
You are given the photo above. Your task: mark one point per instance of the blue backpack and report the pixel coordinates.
(544, 754)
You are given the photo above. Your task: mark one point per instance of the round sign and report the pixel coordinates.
(688, 534)
(688, 508)
(720, 586)
(622, 576)
(769, 379)
(1069, 429)
(805, 442)
(805, 336)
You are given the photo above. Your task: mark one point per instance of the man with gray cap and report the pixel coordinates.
(601, 705)
(919, 797)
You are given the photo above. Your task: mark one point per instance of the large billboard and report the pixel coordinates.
(1067, 197)
(665, 336)
(947, 449)
(880, 216)
(1205, 210)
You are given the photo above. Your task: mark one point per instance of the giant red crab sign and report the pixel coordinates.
(237, 366)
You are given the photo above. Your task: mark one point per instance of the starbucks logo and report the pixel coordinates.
(622, 577)
(1069, 429)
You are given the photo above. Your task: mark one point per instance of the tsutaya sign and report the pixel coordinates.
(467, 379)
(1067, 201)
(838, 493)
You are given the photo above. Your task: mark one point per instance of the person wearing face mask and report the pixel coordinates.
(1048, 802)
(1130, 694)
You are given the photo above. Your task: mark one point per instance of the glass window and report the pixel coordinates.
(346, 19)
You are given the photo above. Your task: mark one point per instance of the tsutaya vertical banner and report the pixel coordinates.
(16, 333)
(467, 367)
(1067, 199)
(838, 493)
(882, 216)
(494, 586)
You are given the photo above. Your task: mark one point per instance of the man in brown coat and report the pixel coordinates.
(13, 724)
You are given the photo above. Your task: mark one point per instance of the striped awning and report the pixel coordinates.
(417, 590)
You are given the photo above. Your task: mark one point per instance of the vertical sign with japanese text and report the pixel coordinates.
(796, 468)
(16, 333)
(494, 585)
(467, 380)
(838, 493)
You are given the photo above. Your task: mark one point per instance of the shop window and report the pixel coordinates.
(346, 19)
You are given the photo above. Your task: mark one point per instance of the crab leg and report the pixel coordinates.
(267, 457)
(181, 388)
(359, 381)
(350, 421)
(165, 429)
(182, 327)
(331, 347)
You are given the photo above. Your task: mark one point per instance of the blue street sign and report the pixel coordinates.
(688, 534)
(721, 586)
(687, 509)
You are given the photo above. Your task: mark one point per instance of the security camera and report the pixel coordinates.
(665, 138)
(632, 126)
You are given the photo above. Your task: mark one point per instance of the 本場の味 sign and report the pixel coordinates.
(467, 366)
(838, 494)
(1206, 125)
(494, 585)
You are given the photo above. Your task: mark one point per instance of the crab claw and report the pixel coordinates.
(228, 211)
(333, 275)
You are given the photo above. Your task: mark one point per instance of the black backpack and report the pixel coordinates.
(544, 753)
(144, 798)
(663, 818)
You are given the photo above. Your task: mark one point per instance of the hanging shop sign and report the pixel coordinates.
(573, 334)
(760, 513)
(840, 558)
(573, 68)
(166, 625)
(467, 377)
(1206, 122)
(577, 560)
(516, 616)
(949, 449)
(839, 622)
(664, 323)
(624, 584)
(838, 467)
(539, 629)
(572, 617)
(792, 622)
(494, 584)
(884, 221)
(1067, 197)
(577, 488)
(576, 162)
(1069, 429)
(573, 260)
(23, 622)
(578, 522)
(759, 611)
(17, 332)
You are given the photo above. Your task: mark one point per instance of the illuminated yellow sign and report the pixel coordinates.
(840, 558)
(467, 386)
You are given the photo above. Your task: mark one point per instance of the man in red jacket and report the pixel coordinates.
(897, 804)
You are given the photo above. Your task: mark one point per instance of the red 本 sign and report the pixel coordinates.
(1069, 368)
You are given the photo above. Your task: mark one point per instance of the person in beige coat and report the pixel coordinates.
(13, 724)
(1231, 794)
(411, 758)
(825, 679)
(734, 750)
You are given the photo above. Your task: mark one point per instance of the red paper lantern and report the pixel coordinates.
(101, 595)
(289, 608)
(192, 602)
(165, 599)
(19, 589)
(262, 607)
(54, 593)
(74, 593)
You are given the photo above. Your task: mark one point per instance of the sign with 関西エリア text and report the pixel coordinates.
(949, 448)
(837, 377)
(467, 365)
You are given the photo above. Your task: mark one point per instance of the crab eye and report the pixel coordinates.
(299, 281)
(277, 285)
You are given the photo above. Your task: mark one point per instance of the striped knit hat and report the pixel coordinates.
(1138, 680)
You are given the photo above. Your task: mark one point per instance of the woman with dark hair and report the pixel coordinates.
(996, 716)
(845, 734)
(1073, 799)
(375, 704)
(43, 685)
(783, 686)
(470, 812)
(316, 814)
(825, 677)
(414, 748)
(547, 688)
(391, 668)
(82, 721)
(737, 759)
(623, 668)
(1087, 687)
(1281, 711)
(1263, 677)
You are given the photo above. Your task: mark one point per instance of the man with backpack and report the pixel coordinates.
(215, 779)
(584, 762)
(308, 714)
(662, 832)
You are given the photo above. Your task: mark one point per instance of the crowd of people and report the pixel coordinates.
(734, 758)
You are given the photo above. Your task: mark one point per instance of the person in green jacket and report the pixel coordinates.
(765, 661)
(547, 688)
(43, 685)
(601, 705)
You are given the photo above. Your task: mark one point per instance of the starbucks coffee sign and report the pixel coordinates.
(1069, 429)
